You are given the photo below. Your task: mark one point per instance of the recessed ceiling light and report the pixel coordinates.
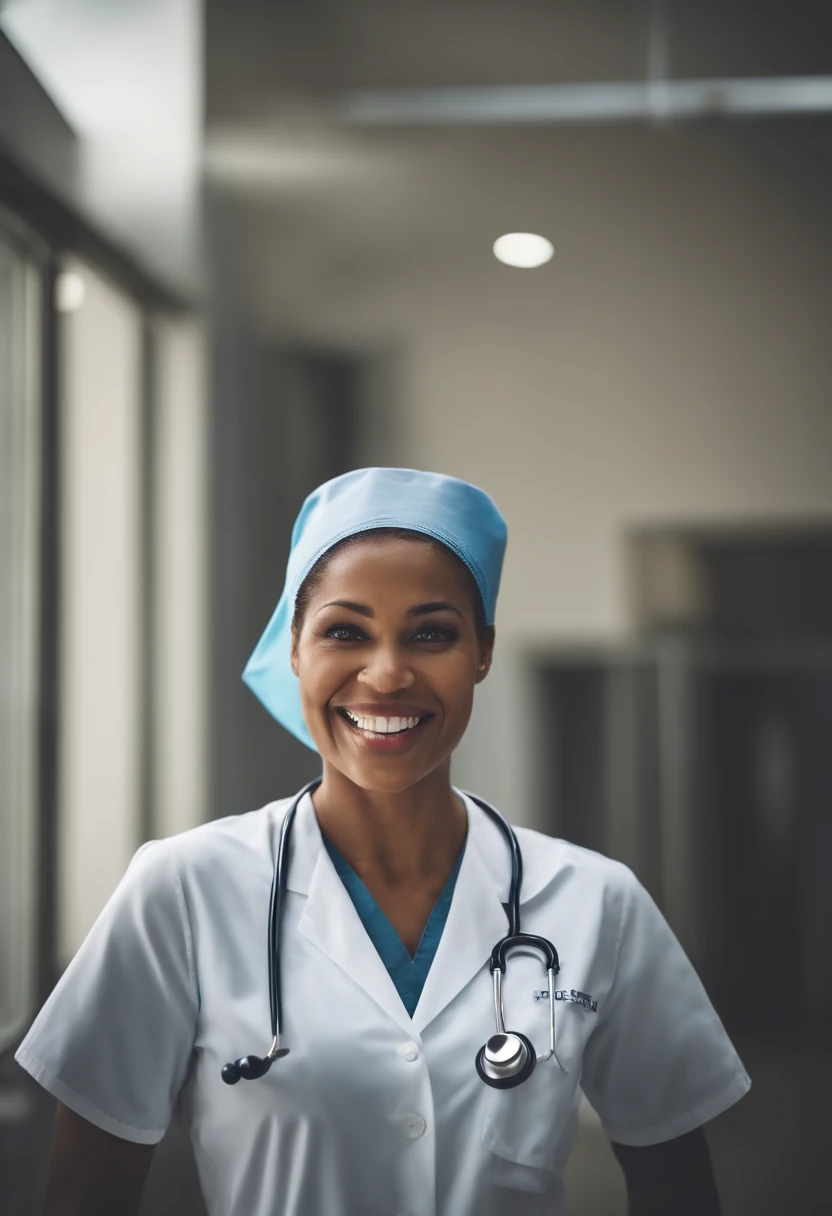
(523, 249)
(70, 291)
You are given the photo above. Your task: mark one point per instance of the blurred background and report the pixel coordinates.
(247, 247)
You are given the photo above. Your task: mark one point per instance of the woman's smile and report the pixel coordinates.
(389, 733)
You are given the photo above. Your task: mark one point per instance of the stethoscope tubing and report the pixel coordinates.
(507, 1059)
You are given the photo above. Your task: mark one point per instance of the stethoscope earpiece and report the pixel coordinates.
(251, 1067)
(230, 1074)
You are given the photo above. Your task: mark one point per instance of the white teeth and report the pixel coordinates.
(382, 726)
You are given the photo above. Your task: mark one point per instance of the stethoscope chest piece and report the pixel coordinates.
(506, 1060)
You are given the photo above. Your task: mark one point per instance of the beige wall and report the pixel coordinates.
(671, 362)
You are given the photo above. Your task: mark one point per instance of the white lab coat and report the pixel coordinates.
(372, 1113)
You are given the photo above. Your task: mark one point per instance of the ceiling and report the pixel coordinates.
(320, 209)
(260, 53)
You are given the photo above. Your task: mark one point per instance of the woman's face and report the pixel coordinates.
(388, 649)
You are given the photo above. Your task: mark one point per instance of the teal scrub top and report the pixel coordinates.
(408, 974)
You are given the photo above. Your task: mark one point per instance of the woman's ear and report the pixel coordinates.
(486, 654)
(293, 654)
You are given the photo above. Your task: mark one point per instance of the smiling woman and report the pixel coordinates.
(388, 642)
(391, 898)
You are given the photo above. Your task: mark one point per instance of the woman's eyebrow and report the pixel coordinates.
(418, 610)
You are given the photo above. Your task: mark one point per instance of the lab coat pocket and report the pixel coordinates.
(524, 1127)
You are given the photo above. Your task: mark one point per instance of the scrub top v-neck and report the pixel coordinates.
(408, 974)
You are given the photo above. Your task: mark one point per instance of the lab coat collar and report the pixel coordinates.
(477, 918)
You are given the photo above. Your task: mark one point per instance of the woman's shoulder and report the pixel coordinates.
(226, 841)
(552, 861)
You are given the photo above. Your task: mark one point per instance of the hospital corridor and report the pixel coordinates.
(548, 280)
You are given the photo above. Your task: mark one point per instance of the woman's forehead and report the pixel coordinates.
(371, 562)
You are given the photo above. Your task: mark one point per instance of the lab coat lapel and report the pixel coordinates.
(331, 922)
(476, 920)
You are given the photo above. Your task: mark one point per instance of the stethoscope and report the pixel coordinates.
(507, 1059)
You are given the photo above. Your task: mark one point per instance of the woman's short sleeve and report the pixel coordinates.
(659, 1062)
(113, 1041)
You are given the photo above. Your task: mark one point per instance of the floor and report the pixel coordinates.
(771, 1150)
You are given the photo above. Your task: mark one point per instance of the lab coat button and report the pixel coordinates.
(409, 1050)
(413, 1126)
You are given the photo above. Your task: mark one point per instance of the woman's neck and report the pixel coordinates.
(409, 837)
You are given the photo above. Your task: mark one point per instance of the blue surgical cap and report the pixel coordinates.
(454, 512)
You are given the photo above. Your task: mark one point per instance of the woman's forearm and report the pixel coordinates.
(91, 1172)
(674, 1178)
(679, 1199)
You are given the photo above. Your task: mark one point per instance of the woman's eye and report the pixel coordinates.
(440, 633)
(335, 629)
(445, 635)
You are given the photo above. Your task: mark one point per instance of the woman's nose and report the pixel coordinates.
(388, 669)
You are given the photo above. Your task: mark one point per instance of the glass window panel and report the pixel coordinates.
(19, 628)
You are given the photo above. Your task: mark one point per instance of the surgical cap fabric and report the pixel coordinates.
(460, 515)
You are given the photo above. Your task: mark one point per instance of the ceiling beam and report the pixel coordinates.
(624, 101)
